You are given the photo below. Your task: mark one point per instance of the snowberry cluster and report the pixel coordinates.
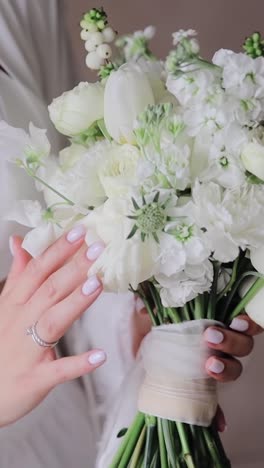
(97, 36)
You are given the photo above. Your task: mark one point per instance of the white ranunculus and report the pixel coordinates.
(127, 93)
(81, 183)
(119, 169)
(253, 159)
(70, 155)
(124, 261)
(75, 111)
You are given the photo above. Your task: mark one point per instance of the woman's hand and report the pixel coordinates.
(53, 291)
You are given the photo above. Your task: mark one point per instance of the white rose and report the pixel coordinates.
(124, 261)
(75, 111)
(253, 159)
(127, 93)
(118, 171)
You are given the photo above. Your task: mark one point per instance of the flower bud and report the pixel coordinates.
(108, 34)
(94, 61)
(104, 51)
(95, 39)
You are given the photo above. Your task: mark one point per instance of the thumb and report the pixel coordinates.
(21, 259)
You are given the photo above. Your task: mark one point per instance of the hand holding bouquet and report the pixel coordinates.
(166, 167)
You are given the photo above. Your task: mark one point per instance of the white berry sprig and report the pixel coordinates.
(97, 35)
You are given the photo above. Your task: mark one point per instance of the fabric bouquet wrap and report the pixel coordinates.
(165, 165)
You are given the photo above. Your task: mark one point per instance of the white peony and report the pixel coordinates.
(232, 219)
(177, 289)
(75, 111)
(127, 93)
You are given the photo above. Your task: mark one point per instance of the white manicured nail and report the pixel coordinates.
(216, 366)
(97, 357)
(76, 233)
(239, 325)
(91, 285)
(95, 251)
(11, 245)
(213, 336)
(139, 305)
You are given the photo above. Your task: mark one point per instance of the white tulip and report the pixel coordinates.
(127, 94)
(253, 159)
(75, 111)
(257, 259)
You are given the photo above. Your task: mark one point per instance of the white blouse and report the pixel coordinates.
(64, 431)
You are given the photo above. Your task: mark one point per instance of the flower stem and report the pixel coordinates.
(138, 450)
(162, 447)
(185, 445)
(255, 288)
(125, 450)
(34, 176)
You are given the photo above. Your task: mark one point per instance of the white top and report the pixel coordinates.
(65, 429)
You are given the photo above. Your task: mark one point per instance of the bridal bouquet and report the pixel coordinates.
(166, 166)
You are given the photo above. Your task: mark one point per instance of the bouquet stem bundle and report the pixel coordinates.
(153, 442)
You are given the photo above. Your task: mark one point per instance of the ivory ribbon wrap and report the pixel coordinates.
(176, 385)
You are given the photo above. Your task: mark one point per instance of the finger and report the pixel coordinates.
(64, 369)
(228, 341)
(220, 420)
(39, 269)
(64, 281)
(55, 322)
(244, 324)
(20, 260)
(223, 369)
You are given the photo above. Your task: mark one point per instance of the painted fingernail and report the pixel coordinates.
(139, 305)
(216, 366)
(11, 245)
(239, 325)
(76, 233)
(91, 285)
(213, 336)
(95, 251)
(97, 357)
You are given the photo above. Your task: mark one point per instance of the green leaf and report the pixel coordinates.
(122, 432)
(135, 204)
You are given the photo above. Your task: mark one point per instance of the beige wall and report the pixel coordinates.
(220, 23)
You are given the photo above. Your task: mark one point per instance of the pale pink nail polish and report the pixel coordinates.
(11, 245)
(213, 336)
(97, 357)
(216, 366)
(95, 251)
(77, 233)
(238, 324)
(91, 285)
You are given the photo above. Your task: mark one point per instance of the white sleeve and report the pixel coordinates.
(34, 46)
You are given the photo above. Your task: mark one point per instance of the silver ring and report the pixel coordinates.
(36, 338)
